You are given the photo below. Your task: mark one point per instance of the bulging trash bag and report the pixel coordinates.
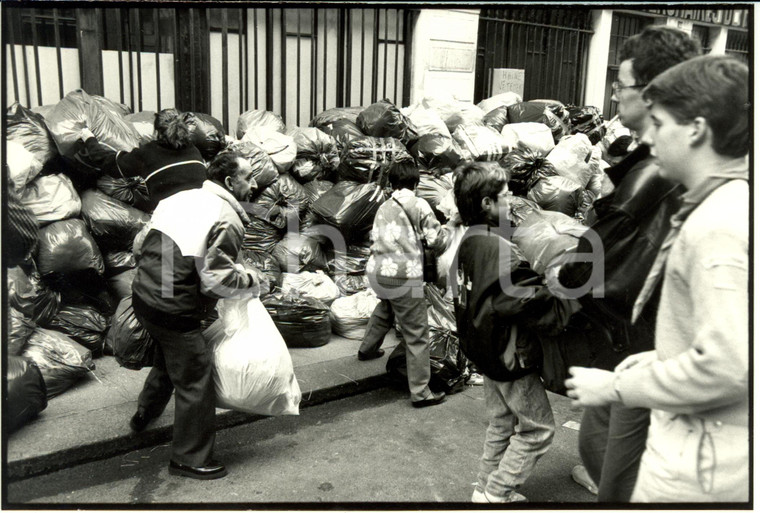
(287, 194)
(571, 158)
(120, 285)
(268, 266)
(519, 208)
(281, 148)
(316, 285)
(84, 324)
(446, 259)
(253, 371)
(208, 135)
(497, 118)
(316, 188)
(132, 191)
(113, 224)
(349, 315)
(62, 361)
(20, 328)
(302, 321)
(52, 198)
(342, 130)
(28, 129)
(352, 261)
(261, 234)
(30, 296)
(144, 124)
(544, 236)
(426, 121)
(383, 119)
(536, 136)
(558, 194)
(537, 112)
(130, 343)
(434, 190)
(23, 166)
(84, 287)
(436, 153)
(499, 100)
(336, 114)
(317, 154)
(67, 246)
(259, 119)
(453, 112)
(587, 120)
(118, 261)
(264, 171)
(27, 394)
(526, 167)
(479, 142)
(349, 284)
(105, 120)
(350, 207)
(297, 253)
(368, 159)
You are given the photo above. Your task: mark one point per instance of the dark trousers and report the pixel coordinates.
(182, 363)
(611, 441)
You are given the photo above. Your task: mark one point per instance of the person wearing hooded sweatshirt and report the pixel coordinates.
(188, 262)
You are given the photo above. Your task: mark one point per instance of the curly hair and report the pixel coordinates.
(657, 48)
(174, 128)
(715, 87)
(473, 182)
(224, 164)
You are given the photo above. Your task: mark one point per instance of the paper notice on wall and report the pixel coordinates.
(504, 80)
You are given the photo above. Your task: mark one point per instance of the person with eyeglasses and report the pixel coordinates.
(631, 222)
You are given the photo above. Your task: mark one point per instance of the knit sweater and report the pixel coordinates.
(396, 252)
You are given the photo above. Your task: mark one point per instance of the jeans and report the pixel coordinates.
(411, 310)
(688, 459)
(520, 431)
(611, 441)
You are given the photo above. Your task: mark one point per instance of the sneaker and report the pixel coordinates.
(580, 476)
(475, 379)
(512, 496)
(478, 496)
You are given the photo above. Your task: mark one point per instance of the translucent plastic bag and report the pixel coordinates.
(62, 361)
(316, 285)
(27, 394)
(281, 148)
(144, 123)
(52, 198)
(544, 236)
(479, 142)
(349, 315)
(23, 165)
(113, 224)
(571, 158)
(253, 371)
(536, 136)
(499, 100)
(259, 119)
(427, 121)
(66, 247)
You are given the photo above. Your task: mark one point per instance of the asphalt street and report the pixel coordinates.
(356, 452)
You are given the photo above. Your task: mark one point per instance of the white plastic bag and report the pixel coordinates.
(349, 315)
(22, 164)
(426, 121)
(253, 372)
(536, 136)
(571, 158)
(499, 100)
(281, 148)
(316, 285)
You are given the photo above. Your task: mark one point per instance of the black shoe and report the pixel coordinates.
(432, 401)
(139, 421)
(213, 470)
(372, 356)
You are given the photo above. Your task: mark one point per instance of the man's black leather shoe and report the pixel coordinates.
(372, 356)
(213, 470)
(139, 421)
(435, 399)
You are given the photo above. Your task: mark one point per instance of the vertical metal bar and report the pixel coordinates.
(269, 81)
(38, 80)
(59, 61)
(406, 90)
(192, 55)
(23, 61)
(385, 56)
(131, 70)
(395, 61)
(487, 60)
(361, 60)
(119, 44)
(256, 56)
(375, 53)
(341, 44)
(157, 33)
(313, 74)
(298, 67)
(562, 61)
(225, 74)
(244, 31)
(139, 59)
(324, 66)
(241, 74)
(12, 43)
(283, 71)
(349, 58)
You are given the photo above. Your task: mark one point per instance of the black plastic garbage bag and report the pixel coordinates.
(27, 394)
(112, 223)
(526, 167)
(287, 194)
(497, 118)
(67, 246)
(316, 188)
(297, 252)
(130, 343)
(436, 153)
(259, 119)
(268, 265)
(352, 261)
(132, 191)
(208, 135)
(261, 234)
(350, 284)
(20, 328)
(368, 159)
(316, 155)
(302, 321)
(83, 288)
(342, 130)
(117, 262)
(587, 120)
(62, 361)
(338, 113)
(120, 285)
(84, 324)
(558, 194)
(30, 296)
(383, 119)
(28, 129)
(350, 207)
(264, 171)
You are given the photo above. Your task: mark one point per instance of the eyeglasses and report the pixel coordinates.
(616, 87)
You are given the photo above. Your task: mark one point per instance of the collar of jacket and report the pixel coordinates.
(402, 193)
(734, 169)
(221, 192)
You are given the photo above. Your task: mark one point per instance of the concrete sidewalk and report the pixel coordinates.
(90, 421)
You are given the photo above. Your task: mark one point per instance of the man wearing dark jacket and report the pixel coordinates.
(631, 222)
(187, 262)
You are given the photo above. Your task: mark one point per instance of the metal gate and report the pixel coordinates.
(221, 61)
(737, 45)
(550, 44)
